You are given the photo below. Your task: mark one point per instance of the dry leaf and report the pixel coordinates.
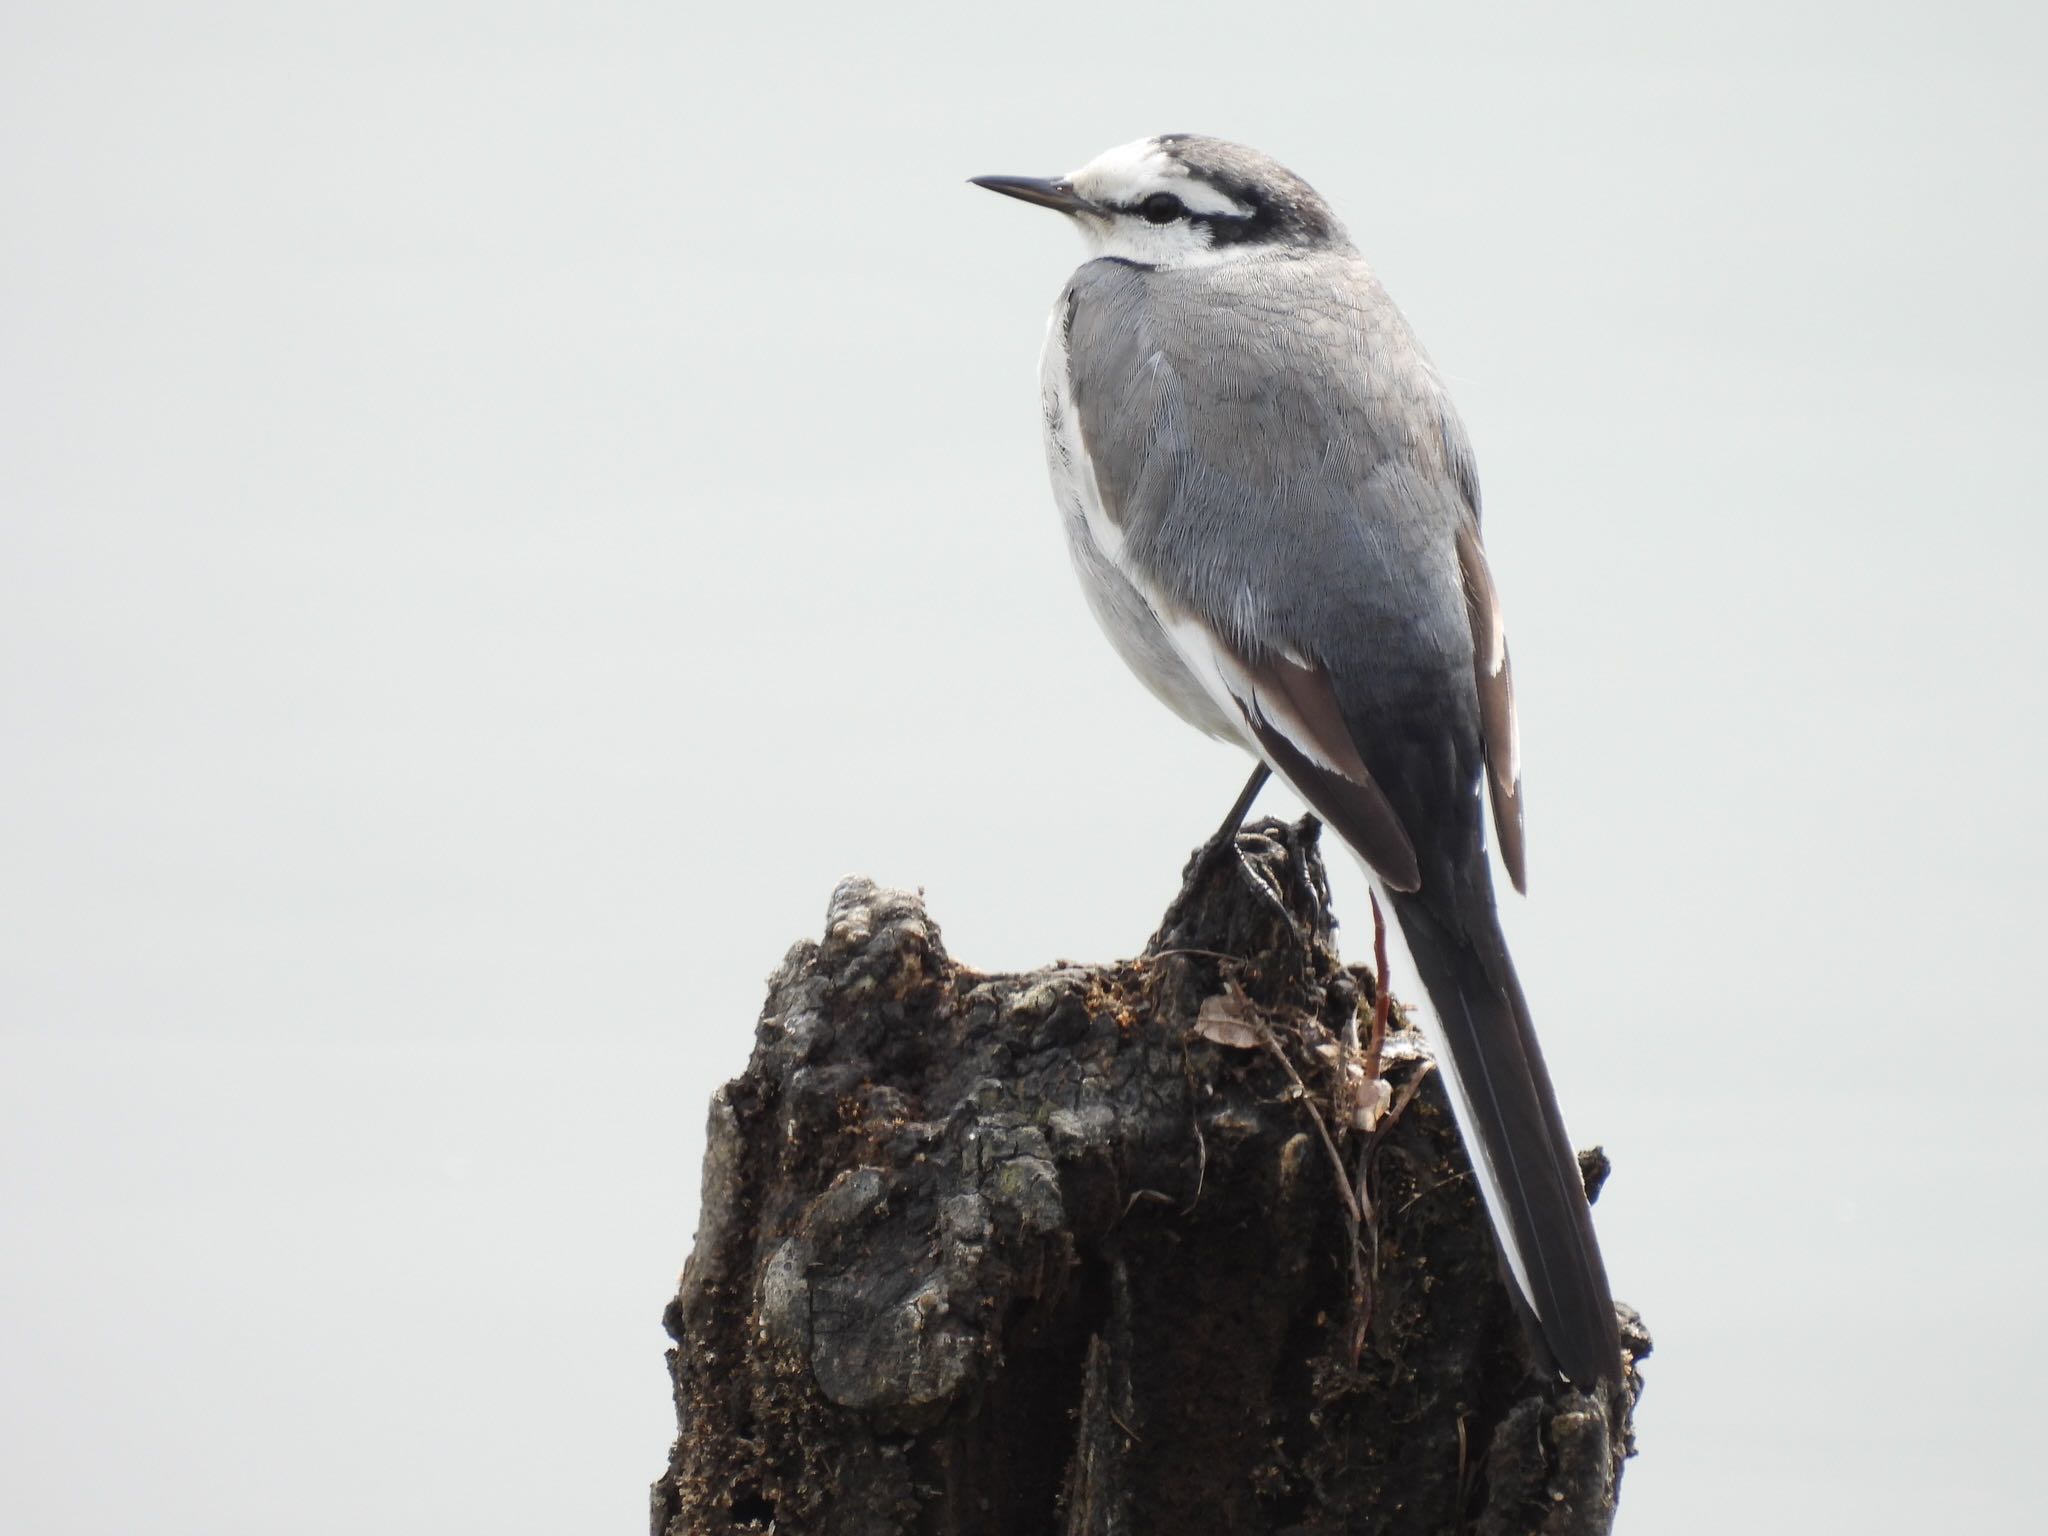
(1228, 1020)
(1370, 1103)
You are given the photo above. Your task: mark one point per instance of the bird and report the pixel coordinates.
(1273, 509)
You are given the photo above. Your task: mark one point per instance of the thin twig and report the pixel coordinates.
(1423, 1194)
(1363, 1282)
(1407, 1094)
(1187, 1072)
(1366, 1285)
(1207, 954)
(1353, 1218)
(1144, 1194)
(1464, 1475)
(1322, 1130)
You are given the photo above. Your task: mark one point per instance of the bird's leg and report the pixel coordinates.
(1225, 836)
(1243, 807)
(1224, 840)
(1382, 998)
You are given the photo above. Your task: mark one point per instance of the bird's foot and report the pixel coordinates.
(1254, 875)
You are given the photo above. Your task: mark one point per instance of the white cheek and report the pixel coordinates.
(1178, 244)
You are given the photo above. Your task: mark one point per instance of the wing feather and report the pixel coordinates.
(1292, 719)
(1495, 679)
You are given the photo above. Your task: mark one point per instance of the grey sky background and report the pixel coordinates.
(502, 505)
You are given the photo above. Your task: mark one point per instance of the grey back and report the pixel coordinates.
(1284, 464)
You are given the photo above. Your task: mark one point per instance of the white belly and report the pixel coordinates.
(1097, 545)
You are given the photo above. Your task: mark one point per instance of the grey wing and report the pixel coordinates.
(1288, 487)
(1127, 618)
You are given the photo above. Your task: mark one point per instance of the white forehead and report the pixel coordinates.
(1128, 174)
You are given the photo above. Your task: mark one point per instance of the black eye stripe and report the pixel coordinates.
(1261, 224)
(1266, 206)
(1164, 208)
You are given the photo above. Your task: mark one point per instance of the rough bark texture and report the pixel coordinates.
(1066, 1253)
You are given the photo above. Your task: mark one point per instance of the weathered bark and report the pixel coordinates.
(1044, 1254)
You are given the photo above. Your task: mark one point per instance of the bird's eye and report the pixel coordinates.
(1161, 208)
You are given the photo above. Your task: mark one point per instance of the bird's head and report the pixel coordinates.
(1183, 200)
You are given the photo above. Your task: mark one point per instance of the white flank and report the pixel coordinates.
(1128, 614)
(1073, 471)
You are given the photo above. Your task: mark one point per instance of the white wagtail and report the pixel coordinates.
(1274, 511)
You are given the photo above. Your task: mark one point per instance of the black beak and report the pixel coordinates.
(1039, 190)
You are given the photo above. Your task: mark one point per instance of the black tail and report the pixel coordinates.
(1515, 1134)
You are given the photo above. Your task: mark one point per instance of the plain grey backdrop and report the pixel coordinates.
(501, 505)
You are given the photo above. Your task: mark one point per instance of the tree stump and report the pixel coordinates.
(1132, 1248)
